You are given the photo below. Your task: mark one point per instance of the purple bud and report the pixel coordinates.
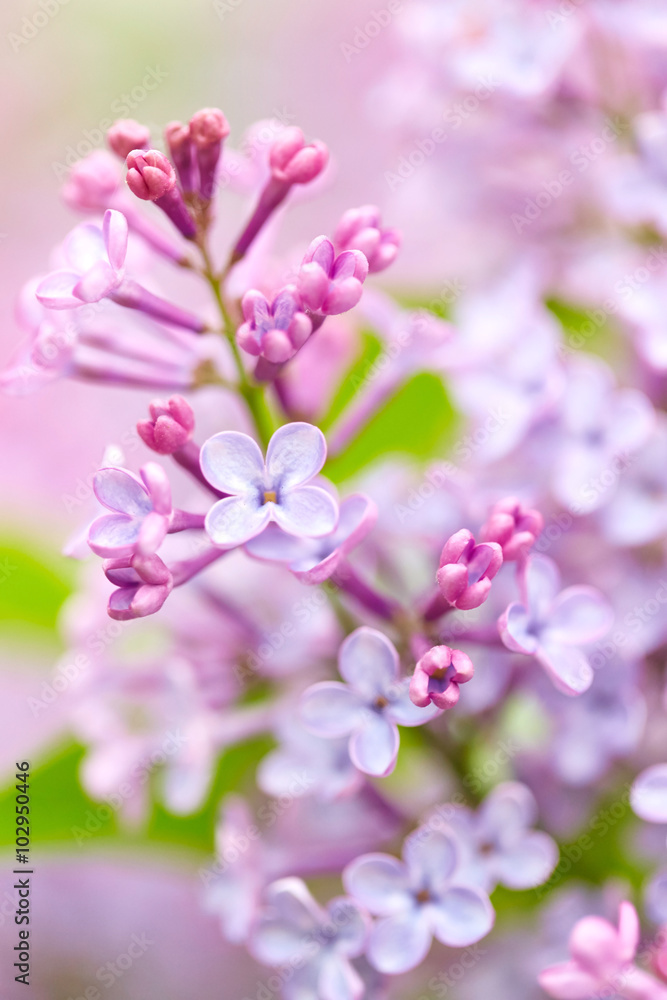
(127, 134)
(361, 229)
(208, 129)
(293, 161)
(437, 677)
(514, 527)
(151, 177)
(170, 425)
(466, 570)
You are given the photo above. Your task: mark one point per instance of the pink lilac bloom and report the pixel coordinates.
(314, 560)
(317, 943)
(602, 960)
(170, 425)
(275, 330)
(467, 569)
(497, 844)
(361, 229)
(553, 624)
(142, 512)
(437, 677)
(260, 491)
(330, 284)
(369, 706)
(151, 177)
(418, 898)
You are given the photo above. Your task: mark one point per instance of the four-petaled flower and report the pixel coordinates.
(314, 560)
(315, 943)
(496, 843)
(417, 898)
(369, 706)
(331, 284)
(95, 258)
(602, 962)
(467, 569)
(142, 511)
(275, 331)
(437, 677)
(275, 490)
(551, 625)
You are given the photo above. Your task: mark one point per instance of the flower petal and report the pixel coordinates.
(374, 746)
(568, 981)
(403, 711)
(121, 491)
(567, 666)
(338, 980)
(114, 535)
(369, 662)
(461, 916)
(56, 290)
(507, 810)
(648, 796)
(516, 630)
(330, 709)
(432, 857)
(236, 520)
(542, 585)
(84, 247)
(528, 862)
(628, 932)
(232, 462)
(352, 925)
(295, 454)
(307, 510)
(400, 942)
(115, 230)
(275, 545)
(380, 882)
(579, 615)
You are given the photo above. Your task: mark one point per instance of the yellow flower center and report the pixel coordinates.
(269, 496)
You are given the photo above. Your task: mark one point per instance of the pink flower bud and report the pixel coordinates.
(150, 175)
(170, 425)
(514, 527)
(181, 150)
(437, 677)
(127, 134)
(466, 570)
(361, 229)
(295, 162)
(208, 128)
(92, 182)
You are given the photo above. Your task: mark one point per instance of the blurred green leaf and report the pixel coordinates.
(34, 582)
(356, 376)
(419, 420)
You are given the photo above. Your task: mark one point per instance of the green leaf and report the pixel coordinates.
(354, 379)
(34, 582)
(418, 421)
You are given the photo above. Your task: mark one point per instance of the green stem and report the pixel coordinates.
(252, 394)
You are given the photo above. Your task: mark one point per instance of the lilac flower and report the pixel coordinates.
(144, 584)
(437, 677)
(304, 764)
(208, 129)
(602, 962)
(417, 899)
(142, 512)
(96, 259)
(151, 177)
(637, 514)
(552, 624)
(331, 284)
(514, 527)
(496, 843)
(467, 569)
(314, 560)
(361, 229)
(275, 490)
(316, 943)
(273, 331)
(369, 706)
(170, 426)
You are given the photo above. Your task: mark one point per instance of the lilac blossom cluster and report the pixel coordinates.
(514, 593)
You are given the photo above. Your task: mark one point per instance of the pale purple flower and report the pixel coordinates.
(369, 706)
(602, 426)
(361, 229)
(514, 527)
(275, 330)
(497, 844)
(315, 943)
(273, 490)
(602, 962)
(467, 569)
(143, 585)
(437, 677)
(331, 284)
(418, 898)
(142, 512)
(637, 514)
(304, 764)
(96, 262)
(552, 624)
(314, 560)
